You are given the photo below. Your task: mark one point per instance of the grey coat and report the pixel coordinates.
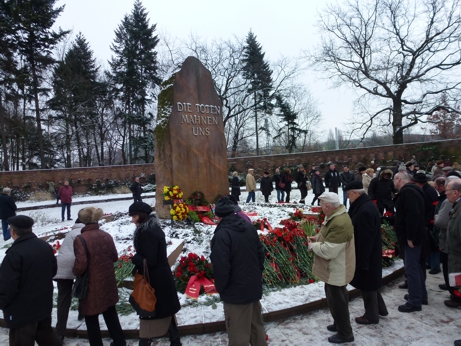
(66, 256)
(441, 222)
(453, 241)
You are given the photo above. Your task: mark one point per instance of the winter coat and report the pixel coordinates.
(66, 256)
(430, 202)
(437, 171)
(332, 179)
(368, 244)
(7, 207)
(266, 186)
(366, 180)
(381, 190)
(250, 183)
(65, 194)
(277, 179)
(334, 249)
(150, 244)
(136, 188)
(102, 287)
(235, 187)
(287, 180)
(408, 222)
(346, 178)
(317, 185)
(301, 179)
(26, 281)
(453, 241)
(358, 176)
(238, 261)
(441, 222)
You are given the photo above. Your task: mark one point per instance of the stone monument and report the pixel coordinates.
(190, 148)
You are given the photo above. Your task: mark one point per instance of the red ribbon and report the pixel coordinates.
(194, 285)
(206, 220)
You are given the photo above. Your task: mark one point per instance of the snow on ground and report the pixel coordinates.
(196, 239)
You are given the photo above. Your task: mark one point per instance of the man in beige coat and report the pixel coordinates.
(334, 263)
(251, 185)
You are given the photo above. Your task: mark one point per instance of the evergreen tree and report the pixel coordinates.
(259, 75)
(289, 117)
(75, 89)
(29, 25)
(134, 73)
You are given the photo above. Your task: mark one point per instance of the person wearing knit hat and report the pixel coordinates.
(238, 262)
(26, 286)
(150, 246)
(366, 220)
(360, 171)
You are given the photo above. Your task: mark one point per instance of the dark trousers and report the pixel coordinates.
(374, 305)
(266, 198)
(64, 301)
(287, 200)
(417, 292)
(137, 198)
(40, 332)
(113, 326)
(303, 191)
(63, 209)
(444, 263)
(316, 198)
(6, 230)
(338, 303)
(333, 189)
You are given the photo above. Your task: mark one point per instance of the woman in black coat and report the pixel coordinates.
(317, 186)
(150, 244)
(235, 185)
(368, 252)
(287, 179)
(382, 189)
(266, 186)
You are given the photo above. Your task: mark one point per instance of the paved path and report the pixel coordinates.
(435, 325)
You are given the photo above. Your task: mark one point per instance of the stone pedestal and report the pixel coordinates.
(190, 147)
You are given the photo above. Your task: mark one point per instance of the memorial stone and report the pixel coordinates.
(190, 148)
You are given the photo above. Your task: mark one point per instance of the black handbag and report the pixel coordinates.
(80, 288)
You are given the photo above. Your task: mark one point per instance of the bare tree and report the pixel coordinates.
(401, 54)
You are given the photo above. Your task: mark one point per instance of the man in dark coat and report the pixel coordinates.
(360, 172)
(26, 286)
(317, 186)
(412, 236)
(332, 179)
(368, 252)
(7, 210)
(238, 262)
(430, 202)
(346, 177)
(381, 189)
(136, 189)
(301, 179)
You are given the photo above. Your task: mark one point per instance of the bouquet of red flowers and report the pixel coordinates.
(191, 265)
(123, 267)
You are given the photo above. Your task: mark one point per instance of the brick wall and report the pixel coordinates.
(384, 155)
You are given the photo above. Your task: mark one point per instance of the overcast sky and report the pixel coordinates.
(282, 28)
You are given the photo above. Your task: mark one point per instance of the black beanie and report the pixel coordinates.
(140, 207)
(224, 207)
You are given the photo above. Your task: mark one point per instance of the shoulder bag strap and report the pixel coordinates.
(146, 270)
(84, 246)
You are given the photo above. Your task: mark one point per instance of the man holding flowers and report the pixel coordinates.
(334, 263)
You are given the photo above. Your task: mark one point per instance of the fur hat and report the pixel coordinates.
(140, 207)
(361, 169)
(21, 222)
(224, 207)
(419, 178)
(90, 215)
(409, 164)
(353, 185)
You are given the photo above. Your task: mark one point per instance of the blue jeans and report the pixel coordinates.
(415, 277)
(434, 260)
(252, 196)
(280, 195)
(63, 209)
(6, 230)
(344, 198)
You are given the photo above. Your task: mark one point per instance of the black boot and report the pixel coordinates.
(173, 333)
(144, 342)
